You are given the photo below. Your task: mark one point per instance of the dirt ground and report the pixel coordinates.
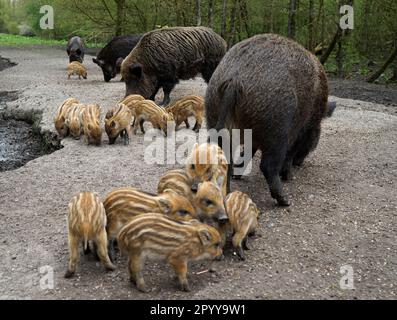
(343, 212)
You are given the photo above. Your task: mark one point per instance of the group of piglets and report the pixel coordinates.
(130, 114)
(188, 219)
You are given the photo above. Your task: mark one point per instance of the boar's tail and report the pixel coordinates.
(85, 229)
(230, 91)
(331, 108)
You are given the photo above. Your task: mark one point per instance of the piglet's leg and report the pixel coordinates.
(102, 249)
(180, 267)
(74, 255)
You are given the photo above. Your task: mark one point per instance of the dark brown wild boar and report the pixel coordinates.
(164, 56)
(277, 88)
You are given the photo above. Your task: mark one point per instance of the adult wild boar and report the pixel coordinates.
(109, 59)
(164, 56)
(277, 88)
(75, 49)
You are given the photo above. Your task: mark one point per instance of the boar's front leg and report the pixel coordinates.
(135, 264)
(167, 88)
(180, 267)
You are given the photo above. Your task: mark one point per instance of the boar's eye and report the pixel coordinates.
(183, 212)
(217, 245)
(193, 166)
(208, 202)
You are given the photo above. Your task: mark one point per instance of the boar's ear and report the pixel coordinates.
(136, 70)
(205, 237)
(98, 62)
(165, 206)
(119, 62)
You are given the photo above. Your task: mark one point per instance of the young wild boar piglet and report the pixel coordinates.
(62, 115)
(118, 122)
(176, 180)
(206, 163)
(209, 203)
(91, 126)
(131, 100)
(147, 110)
(78, 69)
(122, 205)
(243, 219)
(74, 120)
(87, 221)
(155, 236)
(187, 107)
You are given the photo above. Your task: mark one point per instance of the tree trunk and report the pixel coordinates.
(292, 19)
(244, 17)
(339, 57)
(322, 18)
(223, 26)
(394, 77)
(232, 33)
(120, 4)
(382, 69)
(198, 12)
(310, 44)
(211, 14)
(365, 28)
(331, 46)
(272, 16)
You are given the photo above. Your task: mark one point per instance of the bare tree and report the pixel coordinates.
(232, 33)
(311, 41)
(211, 13)
(120, 16)
(198, 12)
(244, 17)
(293, 5)
(383, 68)
(223, 27)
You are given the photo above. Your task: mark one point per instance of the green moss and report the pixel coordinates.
(16, 40)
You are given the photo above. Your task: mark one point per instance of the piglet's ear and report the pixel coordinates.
(205, 237)
(136, 70)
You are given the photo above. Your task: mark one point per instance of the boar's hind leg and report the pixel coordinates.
(271, 163)
(74, 255)
(307, 142)
(101, 242)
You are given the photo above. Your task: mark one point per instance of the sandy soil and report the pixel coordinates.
(344, 204)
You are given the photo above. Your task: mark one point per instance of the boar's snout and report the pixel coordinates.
(222, 217)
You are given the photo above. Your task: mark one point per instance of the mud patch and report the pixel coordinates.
(21, 139)
(7, 96)
(360, 90)
(6, 63)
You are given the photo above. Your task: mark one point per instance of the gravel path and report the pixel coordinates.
(344, 209)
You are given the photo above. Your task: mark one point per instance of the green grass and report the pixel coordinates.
(16, 41)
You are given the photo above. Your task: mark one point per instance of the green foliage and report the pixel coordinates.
(16, 40)
(373, 37)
